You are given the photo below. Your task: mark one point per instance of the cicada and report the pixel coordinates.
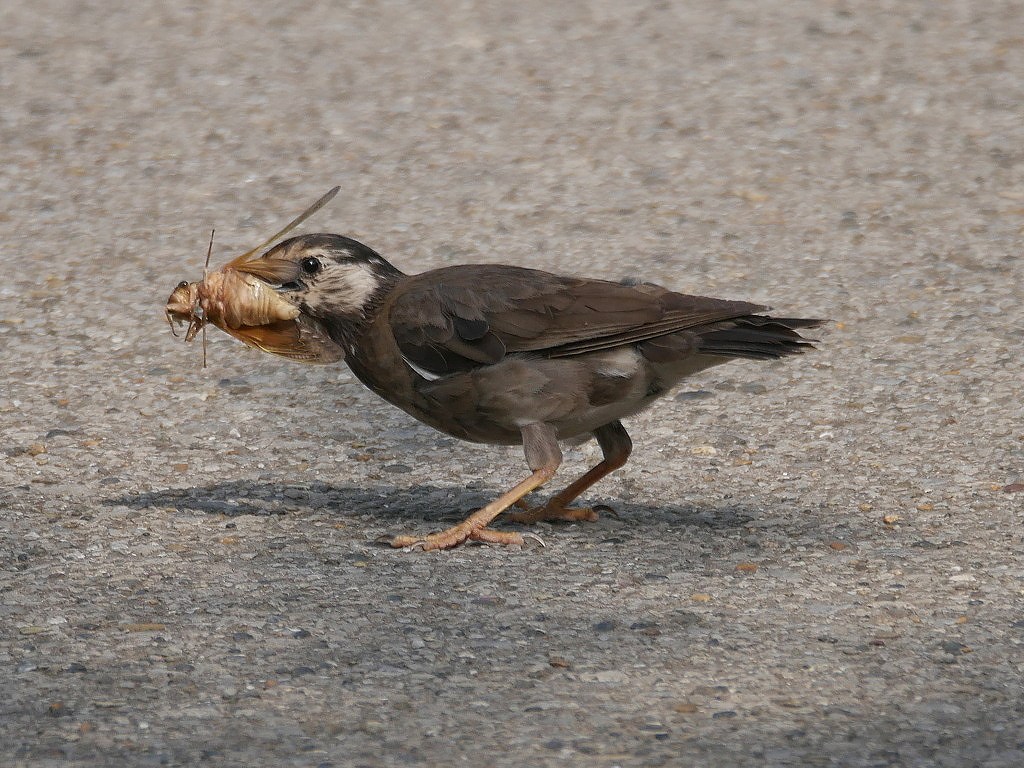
(244, 306)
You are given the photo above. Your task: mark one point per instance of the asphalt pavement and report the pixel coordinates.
(814, 562)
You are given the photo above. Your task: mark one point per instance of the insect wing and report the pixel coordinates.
(301, 340)
(290, 226)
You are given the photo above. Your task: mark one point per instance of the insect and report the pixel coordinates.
(246, 307)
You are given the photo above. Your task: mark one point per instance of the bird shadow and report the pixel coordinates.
(395, 504)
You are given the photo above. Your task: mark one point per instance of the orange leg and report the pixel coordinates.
(616, 446)
(540, 443)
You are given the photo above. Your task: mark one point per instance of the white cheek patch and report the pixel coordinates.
(343, 289)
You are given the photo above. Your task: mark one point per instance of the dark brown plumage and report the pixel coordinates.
(508, 355)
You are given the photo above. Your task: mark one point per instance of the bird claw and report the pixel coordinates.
(412, 544)
(407, 543)
(481, 535)
(446, 539)
(534, 537)
(553, 513)
(604, 509)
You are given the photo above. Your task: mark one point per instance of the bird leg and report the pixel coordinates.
(540, 444)
(616, 446)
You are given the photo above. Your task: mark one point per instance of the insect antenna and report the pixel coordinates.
(206, 269)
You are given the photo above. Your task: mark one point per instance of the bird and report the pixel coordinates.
(509, 355)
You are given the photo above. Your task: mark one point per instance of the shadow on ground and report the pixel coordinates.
(440, 505)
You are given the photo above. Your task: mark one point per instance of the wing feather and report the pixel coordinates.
(457, 318)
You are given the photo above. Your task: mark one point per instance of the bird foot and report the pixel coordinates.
(461, 533)
(554, 512)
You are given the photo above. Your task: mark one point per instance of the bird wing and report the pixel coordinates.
(459, 318)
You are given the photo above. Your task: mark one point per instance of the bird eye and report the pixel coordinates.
(183, 284)
(310, 265)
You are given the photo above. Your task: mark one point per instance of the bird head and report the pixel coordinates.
(330, 278)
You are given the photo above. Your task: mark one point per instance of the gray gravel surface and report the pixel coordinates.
(814, 563)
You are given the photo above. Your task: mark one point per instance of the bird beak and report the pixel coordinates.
(277, 272)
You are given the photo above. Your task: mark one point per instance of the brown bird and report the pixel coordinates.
(507, 355)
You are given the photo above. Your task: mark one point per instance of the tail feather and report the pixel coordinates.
(757, 337)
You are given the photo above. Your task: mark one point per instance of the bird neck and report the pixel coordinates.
(373, 355)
